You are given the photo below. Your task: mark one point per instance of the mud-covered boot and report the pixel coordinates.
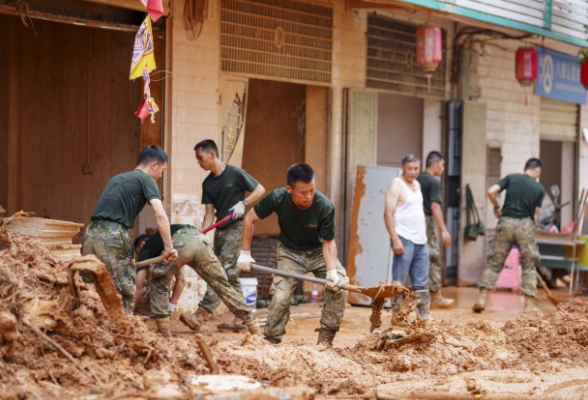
(253, 328)
(326, 337)
(195, 321)
(530, 306)
(396, 303)
(236, 325)
(438, 301)
(424, 302)
(482, 299)
(163, 327)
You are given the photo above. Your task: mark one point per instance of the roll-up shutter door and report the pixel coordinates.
(559, 120)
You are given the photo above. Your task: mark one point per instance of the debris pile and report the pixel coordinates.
(50, 350)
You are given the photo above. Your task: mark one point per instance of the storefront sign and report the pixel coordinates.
(558, 77)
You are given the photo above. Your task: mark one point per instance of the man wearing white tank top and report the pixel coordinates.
(405, 221)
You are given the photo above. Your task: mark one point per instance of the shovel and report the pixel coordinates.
(160, 258)
(381, 291)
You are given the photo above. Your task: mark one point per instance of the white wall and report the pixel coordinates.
(432, 127)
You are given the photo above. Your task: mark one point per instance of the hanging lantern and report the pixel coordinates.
(526, 65)
(428, 50)
(584, 73)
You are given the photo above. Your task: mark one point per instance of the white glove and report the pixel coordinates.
(245, 260)
(171, 306)
(238, 210)
(333, 276)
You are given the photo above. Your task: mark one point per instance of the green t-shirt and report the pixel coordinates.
(226, 190)
(431, 189)
(153, 247)
(124, 197)
(300, 229)
(523, 194)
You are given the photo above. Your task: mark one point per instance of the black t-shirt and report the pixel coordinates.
(226, 190)
(124, 197)
(523, 195)
(431, 189)
(300, 229)
(153, 247)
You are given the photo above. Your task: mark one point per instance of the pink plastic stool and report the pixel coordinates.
(509, 278)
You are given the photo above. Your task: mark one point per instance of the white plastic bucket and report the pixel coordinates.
(249, 286)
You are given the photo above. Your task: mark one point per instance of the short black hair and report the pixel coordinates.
(433, 157)
(207, 145)
(410, 158)
(299, 172)
(141, 238)
(533, 163)
(151, 153)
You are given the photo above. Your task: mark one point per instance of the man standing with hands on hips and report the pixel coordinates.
(307, 244)
(431, 189)
(223, 192)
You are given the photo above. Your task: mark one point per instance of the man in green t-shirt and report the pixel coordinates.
(195, 250)
(516, 226)
(307, 244)
(431, 189)
(123, 198)
(223, 192)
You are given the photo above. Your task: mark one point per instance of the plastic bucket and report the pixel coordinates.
(249, 286)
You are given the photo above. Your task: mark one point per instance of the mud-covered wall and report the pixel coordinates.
(274, 137)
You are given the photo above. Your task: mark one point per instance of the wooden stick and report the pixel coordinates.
(61, 349)
(207, 354)
(552, 299)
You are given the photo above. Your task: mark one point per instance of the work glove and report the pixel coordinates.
(245, 260)
(333, 276)
(238, 210)
(171, 306)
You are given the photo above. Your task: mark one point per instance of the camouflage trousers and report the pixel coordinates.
(227, 244)
(434, 255)
(111, 243)
(302, 262)
(509, 232)
(195, 250)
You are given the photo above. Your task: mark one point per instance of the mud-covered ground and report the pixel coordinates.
(49, 350)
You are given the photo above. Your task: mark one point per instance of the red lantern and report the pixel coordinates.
(428, 48)
(584, 73)
(526, 65)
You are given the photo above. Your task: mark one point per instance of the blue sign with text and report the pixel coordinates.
(558, 77)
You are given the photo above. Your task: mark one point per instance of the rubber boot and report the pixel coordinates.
(481, 304)
(195, 321)
(163, 327)
(438, 301)
(424, 302)
(326, 337)
(253, 328)
(234, 326)
(530, 306)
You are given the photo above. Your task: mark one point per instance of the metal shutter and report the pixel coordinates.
(559, 120)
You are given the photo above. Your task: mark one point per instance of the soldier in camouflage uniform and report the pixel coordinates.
(307, 244)
(516, 226)
(123, 198)
(223, 192)
(196, 251)
(431, 189)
